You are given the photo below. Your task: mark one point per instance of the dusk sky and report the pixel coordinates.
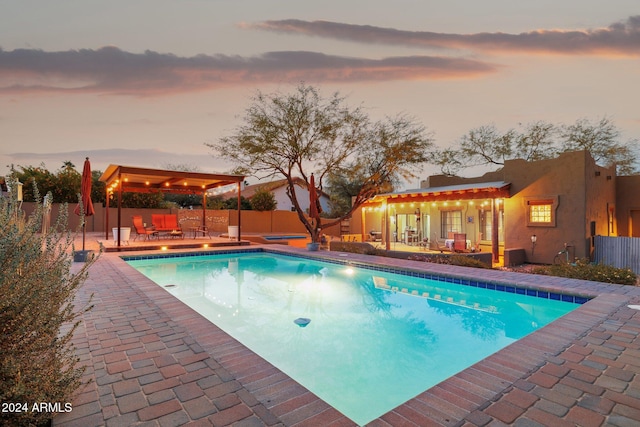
(149, 82)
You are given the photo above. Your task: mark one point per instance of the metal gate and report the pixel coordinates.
(621, 252)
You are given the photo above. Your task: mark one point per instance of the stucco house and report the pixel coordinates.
(279, 190)
(526, 211)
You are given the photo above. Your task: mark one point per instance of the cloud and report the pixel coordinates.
(113, 71)
(621, 38)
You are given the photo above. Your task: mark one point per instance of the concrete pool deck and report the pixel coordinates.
(154, 361)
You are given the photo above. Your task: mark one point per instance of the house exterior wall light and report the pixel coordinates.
(534, 239)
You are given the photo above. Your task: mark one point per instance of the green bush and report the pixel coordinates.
(585, 270)
(263, 200)
(37, 315)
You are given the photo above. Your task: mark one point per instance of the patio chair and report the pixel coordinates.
(439, 245)
(460, 242)
(141, 230)
(424, 243)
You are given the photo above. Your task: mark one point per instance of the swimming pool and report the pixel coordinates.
(375, 340)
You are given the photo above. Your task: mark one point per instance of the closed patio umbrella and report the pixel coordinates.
(86, 206)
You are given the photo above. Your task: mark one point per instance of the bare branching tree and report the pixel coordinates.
(293, 135)
(486, 145)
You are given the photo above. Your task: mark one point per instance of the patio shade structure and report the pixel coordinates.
(493, 191)
(86, 206)
(121, 179)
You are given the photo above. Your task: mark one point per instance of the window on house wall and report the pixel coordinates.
(611, 220)
(451, 222)
(541, 212)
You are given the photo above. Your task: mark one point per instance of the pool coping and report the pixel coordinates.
(452, 402)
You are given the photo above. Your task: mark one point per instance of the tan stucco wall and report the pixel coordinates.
(582, 197)
(627, 200)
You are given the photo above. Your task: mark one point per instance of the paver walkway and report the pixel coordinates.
(153, 361)
(146, 368)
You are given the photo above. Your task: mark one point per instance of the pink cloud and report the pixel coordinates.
(620, 38)
(110, 70)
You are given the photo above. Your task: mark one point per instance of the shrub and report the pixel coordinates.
(459, 260)
(356, 248)
(263, 200)
(38, 361)
(585, 270)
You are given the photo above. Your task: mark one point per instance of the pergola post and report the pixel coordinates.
(385, 224)
(106, 225)
(119, 208)
(204, 209)
(239, 209)
(387, 221)
(495, 249)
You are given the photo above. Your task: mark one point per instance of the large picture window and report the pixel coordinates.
(451, 222)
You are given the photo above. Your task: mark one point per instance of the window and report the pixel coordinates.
(611, 219)
(451, 222)
(541, 211)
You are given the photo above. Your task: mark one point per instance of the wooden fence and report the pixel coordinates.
(622, 252)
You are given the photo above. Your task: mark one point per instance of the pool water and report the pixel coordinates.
(375, 339)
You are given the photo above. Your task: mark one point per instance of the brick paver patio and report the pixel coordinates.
(154, 361)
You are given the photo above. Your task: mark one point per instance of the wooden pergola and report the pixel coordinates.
(120, 179)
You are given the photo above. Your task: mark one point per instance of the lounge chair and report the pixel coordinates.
(141, 230)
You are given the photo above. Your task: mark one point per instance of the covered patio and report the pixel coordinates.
(120, 179)
(427, 218)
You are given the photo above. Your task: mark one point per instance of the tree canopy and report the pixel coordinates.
(293, 135)
(263, 200)
(486, 145)
(64, 186)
